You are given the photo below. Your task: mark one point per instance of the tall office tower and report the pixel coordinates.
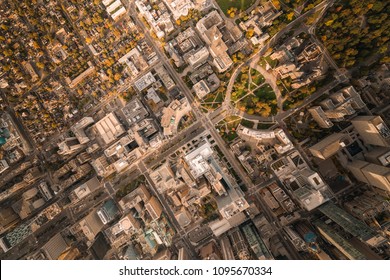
(353, 226)
(373, 130)
(379, 156)
(372, 174)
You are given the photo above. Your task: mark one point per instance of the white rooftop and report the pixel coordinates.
(109, 128)
(197, 159)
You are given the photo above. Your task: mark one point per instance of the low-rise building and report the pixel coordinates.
(88, 72)
(109, 128)
(183, 217)
(164, 178)
(179, 8)
(115, 9)
(134, 111)
(145, 81)
(160, 22)
(173, 114)
(201, 89)
(304, 184)
(279, 138)
(166, 79)
(134, 61)
(3, 165)
(197, 58)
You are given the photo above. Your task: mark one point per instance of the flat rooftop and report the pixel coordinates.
(109, 128)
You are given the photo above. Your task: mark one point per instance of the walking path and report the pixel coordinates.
(271, 80)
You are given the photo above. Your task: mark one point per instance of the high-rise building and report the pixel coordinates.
(182, 254)
(330, 145)
(154, 208)
(55, 247)
(108, 212)
(339, 106)
(373, 130)
(338, 241)
(164, 254)
(8, 219)
(372, 174)
(240, 247)
(256, 243)
(226, 248)
(352, 225)
(210, 252)
(379, 155)
(367, 206)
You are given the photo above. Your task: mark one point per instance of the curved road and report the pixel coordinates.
(226, 105)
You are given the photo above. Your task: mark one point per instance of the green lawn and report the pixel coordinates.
(258, 79)
(239, 4)
(227, 128)
(271, 62)
(253, 86)
(219, 97)
(247, 123)
(264, 125)
(237, 94)
(265, 93)
(210, 98)
(264, 60)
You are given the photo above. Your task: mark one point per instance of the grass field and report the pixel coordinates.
(247, 123)
(239, 4)
(265, 93)
(257, 78)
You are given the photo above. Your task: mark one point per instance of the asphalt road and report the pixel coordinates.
(208, 125)
(179, 231)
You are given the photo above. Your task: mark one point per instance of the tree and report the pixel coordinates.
(249, 33)
(7, 52)
(385, 59)
(117, 76)
(383, 49)
(290, 16)
(329, 22)
(377, 6)
(40, 65)
(276, 4)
